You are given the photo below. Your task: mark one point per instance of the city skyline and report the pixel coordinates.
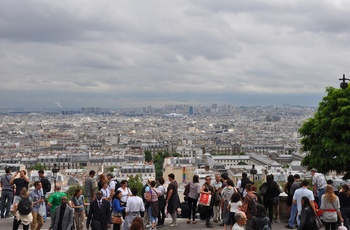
(126, 54)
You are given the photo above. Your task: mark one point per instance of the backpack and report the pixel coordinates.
(117, 185)
(187, 189)
(252, 205)
(263, 190)
(46, 185)
(24, 206)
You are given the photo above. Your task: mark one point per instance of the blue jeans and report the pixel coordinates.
(151, 217)
(319, 196)
(293, 214)
(6, 195)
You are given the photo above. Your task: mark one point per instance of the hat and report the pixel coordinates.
(313, 170)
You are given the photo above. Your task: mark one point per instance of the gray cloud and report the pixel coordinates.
(127, 53)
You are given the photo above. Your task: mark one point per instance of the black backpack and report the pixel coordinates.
(24, 206)
(117, 185)
(46, 184)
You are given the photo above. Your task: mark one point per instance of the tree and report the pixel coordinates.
(148, 156)
(38, 166)
(326, 136)
(136, 181)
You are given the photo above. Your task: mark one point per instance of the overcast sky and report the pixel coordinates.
(133, 53)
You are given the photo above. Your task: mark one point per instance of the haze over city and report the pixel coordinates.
(129, 53)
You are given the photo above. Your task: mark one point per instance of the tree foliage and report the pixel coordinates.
(148, 156)
(136, 181)
(326, 136)
(38, 166)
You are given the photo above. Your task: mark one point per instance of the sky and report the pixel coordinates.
(133, 53)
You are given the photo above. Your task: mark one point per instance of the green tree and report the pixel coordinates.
(136, 181)
(71, 190)
(326, 136)
(38, 166)
(148, 156)
(111, 169)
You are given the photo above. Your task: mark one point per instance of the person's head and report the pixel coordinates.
(102, 178)
(305, 201)
(254, 188)
(329, 182)
(313, 171)
(92, 173)
(235, 197)
(171, 177)
(230, 183)
(329, 189)
(23, 192)
(260, 210)
(105, 185)
(244, 174)
(241, 218)
(117, 195)
(195, 179)
(98, 195)
(64, 200)
(269, 179)
(37, 185)
(41, 173)
(217, 177)
(248, 188)
(290, 179)
(208, 180)
(296, 177)
(124, 183)
(110, 176)
(161, 180)
(7, 170)
(134, 191)
(22, 173)
(58, 188)
(305, 183)
(153, 184)
(78, 192)
(136, 224)
(224, 176)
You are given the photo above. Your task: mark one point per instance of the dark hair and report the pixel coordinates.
(260, 210)
(248, 187)
(244, 174)
(290, 179)
(153, 183)
(195, 179)
(306, 201)
(305, 183)
(297, 176)
(137, 224)
(230, 182)
(269, 180)
(134, 191)
(346, 189)
(92, 172)
(161, 180)
(41, 171)
(224, 176)
(123, 182)
(7, 170)
(235, 197)
(172, 176)
(36, 183)
(115, 196)
(76, 191)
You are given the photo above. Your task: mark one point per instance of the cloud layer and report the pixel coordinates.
(137, 53)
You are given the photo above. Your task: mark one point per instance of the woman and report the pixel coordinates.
(331, 209)
(137, 224)
(153, 209)
(105, 191)
(234, 206)
(192, 198)
(102, 179)
(307, 217)
(226, 195)
(269, 198)
(125, 192)
(117, 209)
(77, 202)
(344, 197)
(260, 219)
(287, 187)
(19, 218)
(161, 201)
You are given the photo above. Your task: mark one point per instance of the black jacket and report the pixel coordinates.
(307, 219)
(258, 222)
(101, 215)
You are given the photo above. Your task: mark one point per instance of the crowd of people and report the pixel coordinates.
(110, 203)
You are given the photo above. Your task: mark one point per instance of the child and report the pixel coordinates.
(234, 206)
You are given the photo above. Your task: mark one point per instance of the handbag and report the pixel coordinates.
(318, 222)
(342, 227)
(117, 219)
(204, 199)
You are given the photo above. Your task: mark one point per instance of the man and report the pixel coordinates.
(99, 214)
(20, 182)
(318, 185)
(90, 186)
(46, 186)
(217, 198)
(63, 217)
(207, 189)
(111, 185)
(249, 201)
(6, 193)
(301, 192)
(134, 207)
(38, 200)
(294, 210)
(244, 181)
(172, 199)
(55, 199)
(241, 221)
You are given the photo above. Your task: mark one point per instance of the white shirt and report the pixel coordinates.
(234, 207)
(105, 193)
(238, 227)
(134, 204)
(125, 194)
(111, 186)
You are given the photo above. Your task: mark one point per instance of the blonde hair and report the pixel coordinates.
(329, 194)
(24, 192)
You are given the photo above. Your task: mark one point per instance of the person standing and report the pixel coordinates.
(217, 198)
(20, 182)
(241, 221)
(248, 203)
(172, 199)
(307, 217)
(287, 189)
(225, 199)
(99, 214)
(318, 185)
(260, 219)
(46, 187)
(153, 209)
(234, 206)
(55, 199)
(6, 193)
(117, 209)
(331, 209)
(161, 201)
(133, 208)
(23, 214)
(207, 189)
(105, 191)
(301, 192)
(78, 203)
(294, 209)
(112, 185)
(244, 181)
(193, 198)
(273, 191)
(38, 200)
(90, 187)
(344, 198)
(63, 217)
